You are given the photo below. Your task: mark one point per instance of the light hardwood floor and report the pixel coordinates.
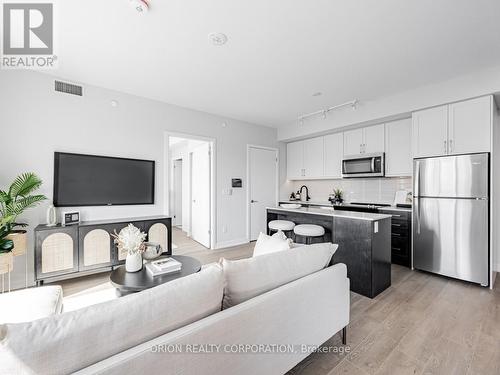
(422, 324)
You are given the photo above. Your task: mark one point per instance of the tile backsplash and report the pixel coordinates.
(372, 190)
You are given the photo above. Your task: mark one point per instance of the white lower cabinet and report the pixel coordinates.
(398, 155)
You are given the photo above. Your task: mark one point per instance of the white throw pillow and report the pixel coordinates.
(270, 244)
(66, 343)
(248, 278)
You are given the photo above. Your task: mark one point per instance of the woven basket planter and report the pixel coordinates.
(20, 239)
(6, 262)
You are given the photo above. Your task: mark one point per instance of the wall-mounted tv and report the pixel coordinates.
(90, 180)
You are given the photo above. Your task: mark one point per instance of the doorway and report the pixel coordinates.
(177, 194)
(262, 171)
(190, 202)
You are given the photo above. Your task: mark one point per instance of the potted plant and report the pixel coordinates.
(13, 202)
(6, 246)
(131, 240)
(338, 196)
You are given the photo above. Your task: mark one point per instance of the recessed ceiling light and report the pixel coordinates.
(218, 39)
(317, 94)
(141, 6)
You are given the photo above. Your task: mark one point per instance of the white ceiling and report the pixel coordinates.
(279, 52)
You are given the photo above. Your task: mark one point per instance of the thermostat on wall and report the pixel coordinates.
(70, 217)
(236, 183)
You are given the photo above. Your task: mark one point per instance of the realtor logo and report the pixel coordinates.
(28, 35)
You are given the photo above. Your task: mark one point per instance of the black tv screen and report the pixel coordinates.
(89, 180)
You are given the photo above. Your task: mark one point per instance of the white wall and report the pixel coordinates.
(35, 121)
(372, 190)
(397, 106)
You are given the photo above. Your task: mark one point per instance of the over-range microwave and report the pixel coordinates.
(364, 165)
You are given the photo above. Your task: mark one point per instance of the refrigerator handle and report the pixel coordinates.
(417, 195)
(417, 214)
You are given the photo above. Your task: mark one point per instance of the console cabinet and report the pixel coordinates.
(63, 252)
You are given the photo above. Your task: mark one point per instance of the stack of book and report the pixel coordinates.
(163, 266)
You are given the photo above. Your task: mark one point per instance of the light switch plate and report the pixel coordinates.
(375, 227)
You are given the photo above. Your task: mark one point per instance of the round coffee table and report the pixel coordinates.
(131, 282)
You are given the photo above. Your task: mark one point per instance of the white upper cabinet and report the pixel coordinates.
(305, 159)
(430, 132)
(470, 126)
(458, 128)
(367, 140)
(295, 160)
(313, 157)
(373, 139)
(353, 142)
(398, 153)
(334, 152)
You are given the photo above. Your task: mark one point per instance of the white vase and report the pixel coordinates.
(133, 262)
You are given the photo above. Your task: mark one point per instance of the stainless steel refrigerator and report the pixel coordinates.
(451, 216)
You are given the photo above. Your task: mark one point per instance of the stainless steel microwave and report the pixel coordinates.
(364, 165)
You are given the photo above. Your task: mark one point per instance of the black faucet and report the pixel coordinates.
(307, 192)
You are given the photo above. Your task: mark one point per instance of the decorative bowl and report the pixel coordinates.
(153, 250)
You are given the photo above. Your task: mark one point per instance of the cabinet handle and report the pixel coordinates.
(396, 225)
(396, 234)
(445, 148)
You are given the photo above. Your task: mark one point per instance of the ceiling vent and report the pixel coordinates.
(68, 88)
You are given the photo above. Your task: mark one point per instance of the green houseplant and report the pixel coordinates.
(13, 202)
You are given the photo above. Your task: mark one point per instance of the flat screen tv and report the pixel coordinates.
(90, 180)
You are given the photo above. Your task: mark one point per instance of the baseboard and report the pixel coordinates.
(231, 243)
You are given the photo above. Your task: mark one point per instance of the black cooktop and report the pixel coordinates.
(371, 205)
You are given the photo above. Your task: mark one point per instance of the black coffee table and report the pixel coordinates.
(131, 282)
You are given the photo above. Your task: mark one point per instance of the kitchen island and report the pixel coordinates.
(364, 241)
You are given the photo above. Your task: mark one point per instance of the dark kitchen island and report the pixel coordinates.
(364, 241)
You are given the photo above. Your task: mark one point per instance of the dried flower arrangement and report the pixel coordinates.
(130, 239)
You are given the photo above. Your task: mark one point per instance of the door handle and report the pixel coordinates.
(252, 201)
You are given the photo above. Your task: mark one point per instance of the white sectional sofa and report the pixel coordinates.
(269, 322)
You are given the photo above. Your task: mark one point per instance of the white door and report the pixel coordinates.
(262, 185)
(200, 194)
(430, 132)
(295, 160)
(334, 152)
(313, 157)
(398, 156)
(373, 139)
(353, 141)
(178, 192)
(470, 126)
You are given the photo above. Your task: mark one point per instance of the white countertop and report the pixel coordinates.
(327, 203)
(334, 213)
